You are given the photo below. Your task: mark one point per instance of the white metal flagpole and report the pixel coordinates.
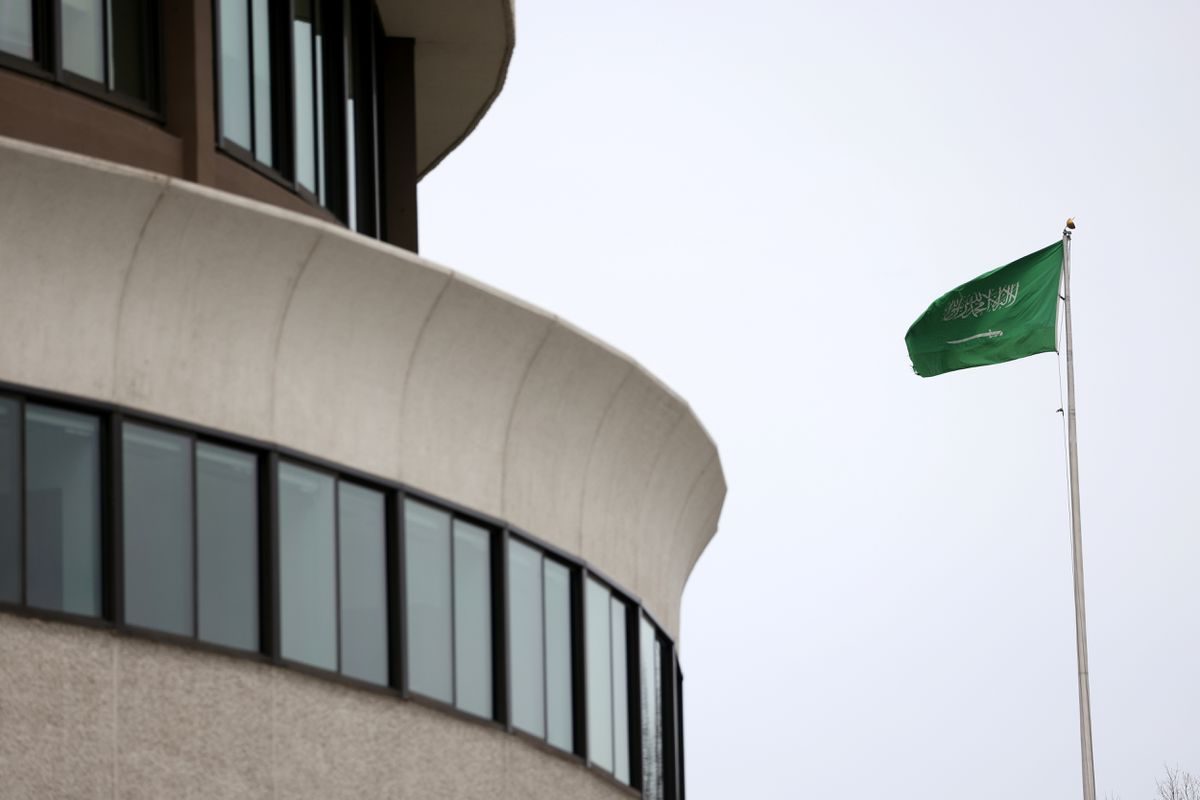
(1081, 652)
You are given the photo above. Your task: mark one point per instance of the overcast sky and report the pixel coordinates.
(755, 200)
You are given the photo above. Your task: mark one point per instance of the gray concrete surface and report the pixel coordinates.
(86, 713)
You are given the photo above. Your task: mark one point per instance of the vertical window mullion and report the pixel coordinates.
(670, 754)
(579, 662)
(106, 44)
(252, 84)
(393, 553)
(499, 603)
(54, 36)
(268, 555)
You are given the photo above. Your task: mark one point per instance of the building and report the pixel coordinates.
(286, 510)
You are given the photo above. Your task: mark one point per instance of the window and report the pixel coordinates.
(362, 584)
(62, 510)
(157, 507)
(427, 585)
(447, 569)
(110, 45)
(107, 48)
(83, 38)
(607, 680)
(303, 116)
(540, 645)
(652, 721)
(353, 78)
(472, 618)
(227, 546)
(10, 498)
(309, 88)
(560, 683)
(307, 578)
(190, 536)
(525, 637)
(245, 77)
(599, 675)
(620, 683)
(17, 28)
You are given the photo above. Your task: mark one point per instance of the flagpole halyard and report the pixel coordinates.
(1081, 652)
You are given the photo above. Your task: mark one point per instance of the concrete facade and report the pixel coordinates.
(174, 299)
(256, 315)
(88, 713)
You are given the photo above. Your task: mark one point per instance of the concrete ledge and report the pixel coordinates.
(184, 301)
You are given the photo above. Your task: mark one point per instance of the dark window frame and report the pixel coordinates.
(279, 16)
(47, 65)
(333, 155)
(496, 538)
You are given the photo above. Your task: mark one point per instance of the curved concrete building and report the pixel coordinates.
(285, 509)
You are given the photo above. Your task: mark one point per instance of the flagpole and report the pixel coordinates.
(1081, 652)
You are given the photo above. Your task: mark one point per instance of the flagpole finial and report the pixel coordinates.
(1070, 226)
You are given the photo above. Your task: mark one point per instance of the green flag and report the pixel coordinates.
(1000, 316)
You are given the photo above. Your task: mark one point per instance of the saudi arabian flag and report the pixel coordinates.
(1000, 316)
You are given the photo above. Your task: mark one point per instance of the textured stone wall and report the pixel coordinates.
(86, 713)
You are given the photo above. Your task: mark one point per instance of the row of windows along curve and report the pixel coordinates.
(164, 530)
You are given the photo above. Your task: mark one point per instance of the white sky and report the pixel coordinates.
(755, 200)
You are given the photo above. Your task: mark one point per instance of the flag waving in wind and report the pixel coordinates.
(1008, 313)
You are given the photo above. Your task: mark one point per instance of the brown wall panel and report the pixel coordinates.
(41, 112)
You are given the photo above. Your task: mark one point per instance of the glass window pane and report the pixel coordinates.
(83, 38)
(620, 684)
(560, 715)
(599, 675)
(10, 495)
(62, 508)
(16, 27)
(427, 600)
(472, 618)
(305, 111)
(227, 545)
(351, 67)
(130, 60)
(263, 143)
(525, 638)
(308, 628)
(362, 559)
(235, 71)
(319, 92)
(157, 511)
(652, 774)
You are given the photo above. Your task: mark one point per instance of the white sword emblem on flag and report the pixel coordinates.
(984, 335)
